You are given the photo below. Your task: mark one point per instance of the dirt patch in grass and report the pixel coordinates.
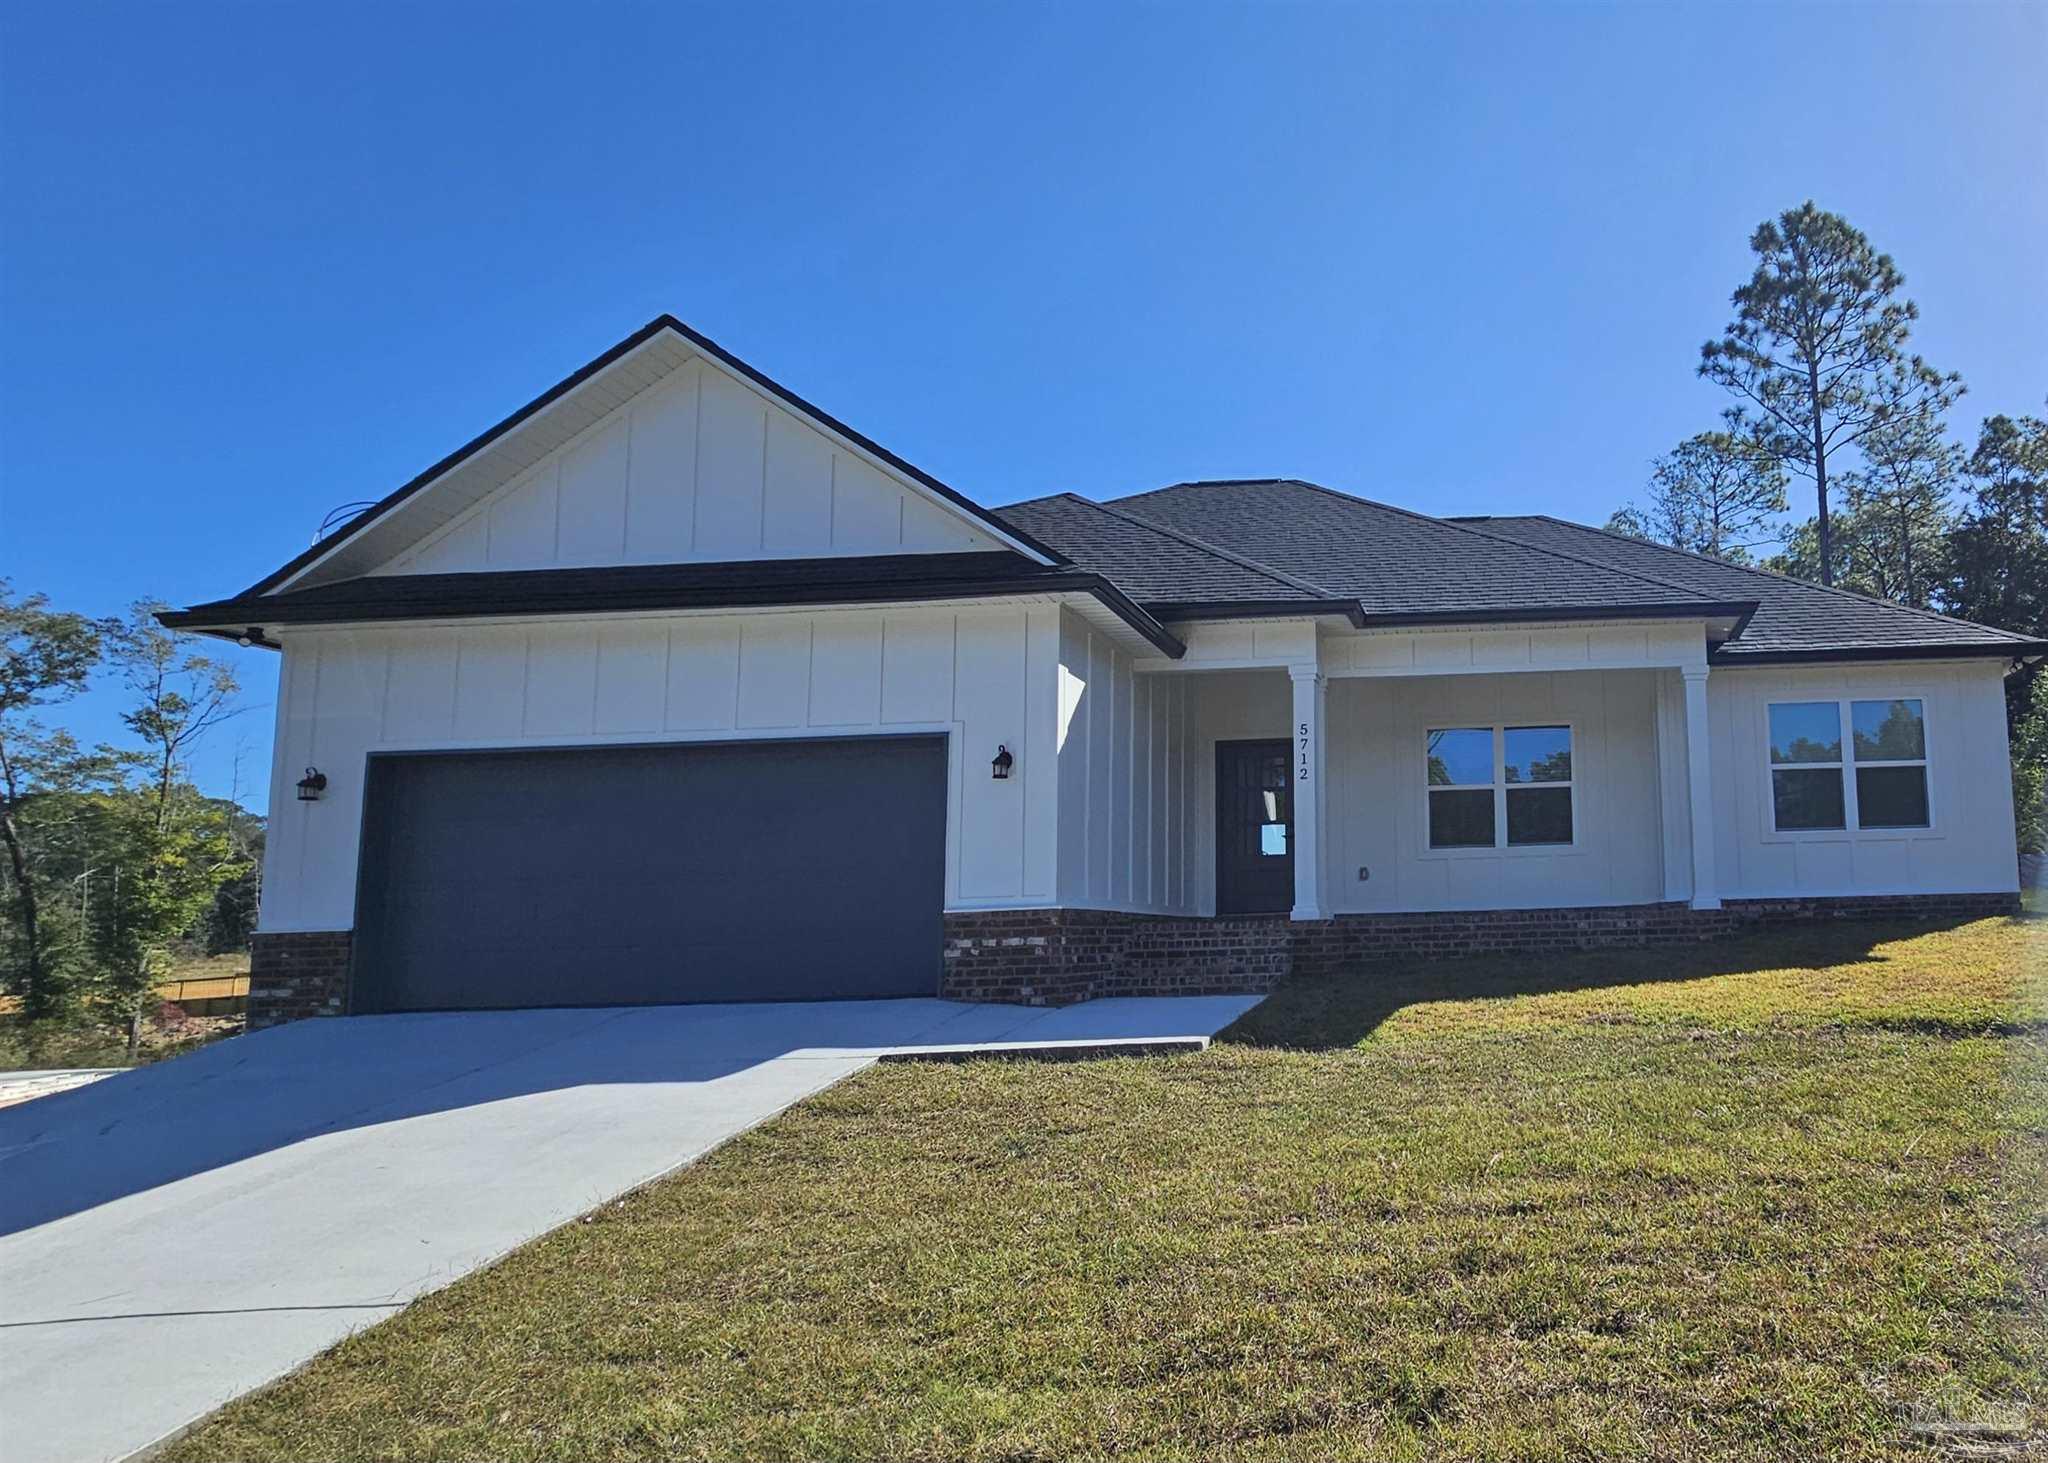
(1780, 1203)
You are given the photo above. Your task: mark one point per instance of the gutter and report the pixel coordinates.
(2014, 650)
(227, 619)
(1261, 609)
(1714, 609)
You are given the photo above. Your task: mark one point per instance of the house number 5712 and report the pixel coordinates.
(1301, 754)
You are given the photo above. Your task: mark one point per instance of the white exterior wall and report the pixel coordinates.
(1124, 779)
(1112, 801)
(700, 466)
(1968, 849)
(1378, 819)
(982, 676)
(1374, 762)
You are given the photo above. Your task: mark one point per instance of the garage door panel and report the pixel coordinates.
(623, 875)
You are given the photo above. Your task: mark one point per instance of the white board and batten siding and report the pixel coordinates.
(982, 676)
(701, 466)
(1126, 775)
(1374, 759)
(1969, 846)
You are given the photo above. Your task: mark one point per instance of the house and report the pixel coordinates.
(671, 687)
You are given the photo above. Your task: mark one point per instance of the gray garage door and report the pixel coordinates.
(752, 871)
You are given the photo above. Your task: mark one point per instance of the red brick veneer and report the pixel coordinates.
(297, 974)
(1052, 957)
(1055, 957)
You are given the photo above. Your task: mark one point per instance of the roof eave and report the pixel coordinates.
(1259, 609)
(1695, 610)
(247, 615)
(1824, 654)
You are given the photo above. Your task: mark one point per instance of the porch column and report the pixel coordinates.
(1706, 892)
(1307, 775)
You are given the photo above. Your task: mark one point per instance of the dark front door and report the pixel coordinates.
(728, 871)
(1254, 828)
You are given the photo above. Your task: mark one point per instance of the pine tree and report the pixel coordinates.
(1818, 348)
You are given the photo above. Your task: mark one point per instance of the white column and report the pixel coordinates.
(1706, 892)
(1307, 774)
(1673, 794)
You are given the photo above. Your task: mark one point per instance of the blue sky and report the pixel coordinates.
(260, 260)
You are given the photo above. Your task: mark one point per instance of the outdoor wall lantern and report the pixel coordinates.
(312, 785)
(1004, 761)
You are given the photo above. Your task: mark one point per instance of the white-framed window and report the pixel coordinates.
(1499, 786)
(1811, 762)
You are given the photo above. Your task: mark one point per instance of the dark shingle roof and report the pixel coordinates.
(1155, 564)
(1255, 540)
(1793, 619)
(1396, 562)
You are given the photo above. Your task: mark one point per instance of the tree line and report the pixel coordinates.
(1828, 397)
(114, 860)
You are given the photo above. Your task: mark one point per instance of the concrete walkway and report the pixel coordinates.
(179, 1234)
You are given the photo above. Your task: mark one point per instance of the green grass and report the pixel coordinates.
(1772, 1200)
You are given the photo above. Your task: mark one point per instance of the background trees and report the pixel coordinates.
(113, 857)
(1716, 493)
(1817, 356)
(45, 657)
(1818, 349)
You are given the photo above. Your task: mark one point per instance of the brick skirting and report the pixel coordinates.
(299, 974)
(1054, 957)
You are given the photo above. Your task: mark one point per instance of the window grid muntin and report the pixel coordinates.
(1848, 764)
(1501, 787)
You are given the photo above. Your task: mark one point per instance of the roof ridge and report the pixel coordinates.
(1292, 581)
(1759, 570)
(1499, 538)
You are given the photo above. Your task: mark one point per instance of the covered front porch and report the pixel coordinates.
(1343, 772)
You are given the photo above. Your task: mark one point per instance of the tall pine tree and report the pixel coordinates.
(1817, 347)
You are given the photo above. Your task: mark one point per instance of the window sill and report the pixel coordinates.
(1852, 835)
(1518, 850)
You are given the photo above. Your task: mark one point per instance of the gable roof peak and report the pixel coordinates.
(696, 343)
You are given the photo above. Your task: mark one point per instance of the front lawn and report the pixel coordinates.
(1780, 1198)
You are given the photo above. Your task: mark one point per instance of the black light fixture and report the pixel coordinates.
(312, 785)
(1004, 761)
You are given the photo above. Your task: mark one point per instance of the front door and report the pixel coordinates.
(1254, 828)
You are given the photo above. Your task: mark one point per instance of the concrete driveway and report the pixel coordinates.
(174, 1236)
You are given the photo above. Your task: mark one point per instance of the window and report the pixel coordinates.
(1461, 787)
(1499, 786)
(1890, 741)
(1887, 749)
(1806, 765)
